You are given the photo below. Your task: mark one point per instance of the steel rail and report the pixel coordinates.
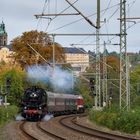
(49, 133)
(24, 131)
(93, 132)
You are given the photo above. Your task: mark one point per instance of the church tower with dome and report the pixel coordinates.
(3, 35)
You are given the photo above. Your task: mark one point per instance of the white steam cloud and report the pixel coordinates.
(60, 80)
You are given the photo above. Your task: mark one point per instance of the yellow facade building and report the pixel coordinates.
(77, 57)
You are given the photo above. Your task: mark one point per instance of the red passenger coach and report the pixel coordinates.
(80, 104)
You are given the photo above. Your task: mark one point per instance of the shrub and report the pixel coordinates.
(7, 114)
(128, 122)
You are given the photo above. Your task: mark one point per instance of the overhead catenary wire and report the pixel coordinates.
(106, 8)
(85, 17)
(109, 40)
(58, 14)
(73, 22)
(104, 14)
(134, 23)
(109, 18)
(39, 54)
(109, 7)
(44, 7)
(103, 11)
(89, 16)
(64, 10)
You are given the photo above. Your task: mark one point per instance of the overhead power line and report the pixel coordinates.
(44, 15)
(82, 18)
(92, 34)
(89, 21)
(39, 54)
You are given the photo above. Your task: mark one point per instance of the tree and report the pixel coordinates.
(83, 88)
(135, 87)
(16, 89)
(113, 70)
(39, 41)
(16, 85)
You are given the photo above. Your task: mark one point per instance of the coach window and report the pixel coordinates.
(74, 102)
(51, 101)
(67, 101)
(71, 102)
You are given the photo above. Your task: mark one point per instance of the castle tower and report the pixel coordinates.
(3, 35)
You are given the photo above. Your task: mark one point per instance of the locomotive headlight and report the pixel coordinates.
(25, 107)
(40, 107)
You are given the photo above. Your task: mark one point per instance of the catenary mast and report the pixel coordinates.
(98, 78)
(124, 75)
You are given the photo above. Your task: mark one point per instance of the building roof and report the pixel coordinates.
(74, 50)
(7, 46)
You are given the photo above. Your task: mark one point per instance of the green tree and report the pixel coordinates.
(135, 87)
(16, 76)
(81, 87)
(39, 41)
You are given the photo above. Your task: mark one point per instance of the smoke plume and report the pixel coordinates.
(60, 80)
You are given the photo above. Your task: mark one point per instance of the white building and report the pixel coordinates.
(78, 58)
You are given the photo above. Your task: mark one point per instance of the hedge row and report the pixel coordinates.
(128, 122)
(7, 113)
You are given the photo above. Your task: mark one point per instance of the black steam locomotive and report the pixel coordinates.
(37, 102)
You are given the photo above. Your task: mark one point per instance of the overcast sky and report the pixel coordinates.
(18, 16)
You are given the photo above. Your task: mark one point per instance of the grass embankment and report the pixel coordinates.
(7, 113)
(128, 122)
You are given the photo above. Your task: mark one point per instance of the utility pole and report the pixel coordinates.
(53, 45)
(98, 78)
(104, 81)
(124, 80)
(128, 79)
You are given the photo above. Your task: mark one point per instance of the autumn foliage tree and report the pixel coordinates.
(112, 64)
(113, 67)
(41, 43)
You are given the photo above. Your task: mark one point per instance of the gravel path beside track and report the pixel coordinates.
(12, 132)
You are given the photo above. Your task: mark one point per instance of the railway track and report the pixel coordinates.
(71, 123)
(51, 134)
(25, 131)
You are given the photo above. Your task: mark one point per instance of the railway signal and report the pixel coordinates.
(8, 85)
(92, 86)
